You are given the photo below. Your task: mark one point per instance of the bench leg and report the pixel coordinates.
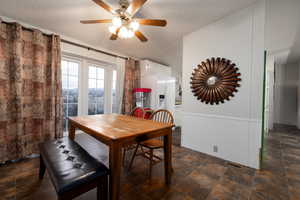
(42, 168)
(102, 189)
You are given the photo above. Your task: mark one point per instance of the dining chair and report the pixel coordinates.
(136, 112)
(163, 116)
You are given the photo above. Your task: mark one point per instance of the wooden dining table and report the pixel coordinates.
(115, 131)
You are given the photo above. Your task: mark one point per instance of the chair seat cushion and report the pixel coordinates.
(69, 165)
(153, 143)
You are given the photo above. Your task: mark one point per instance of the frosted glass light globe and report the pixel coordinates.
(123, 32)
(112, 29)
(134, 25)
(130, 33)
(117, 22)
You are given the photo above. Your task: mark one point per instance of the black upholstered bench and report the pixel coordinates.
(72, 170)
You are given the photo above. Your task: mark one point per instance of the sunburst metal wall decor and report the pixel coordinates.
(215, 80)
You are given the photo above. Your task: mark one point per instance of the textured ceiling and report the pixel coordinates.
(283, 30)
(184, 16)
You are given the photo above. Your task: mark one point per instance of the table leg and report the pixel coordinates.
(115, 163)
(71, 131)
(168, 156)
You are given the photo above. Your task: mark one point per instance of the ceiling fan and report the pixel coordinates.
(124, 25)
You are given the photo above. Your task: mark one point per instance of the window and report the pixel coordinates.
(114, 92)
(70, 90)
(96, 91)
(88, 87)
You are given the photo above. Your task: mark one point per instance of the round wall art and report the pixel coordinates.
(215, 80)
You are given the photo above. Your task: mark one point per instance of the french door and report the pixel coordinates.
(96, 90)
(70, 90)
(88, 88)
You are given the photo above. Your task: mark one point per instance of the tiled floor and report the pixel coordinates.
(196, 176)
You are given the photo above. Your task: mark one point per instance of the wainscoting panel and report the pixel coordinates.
(229, 138)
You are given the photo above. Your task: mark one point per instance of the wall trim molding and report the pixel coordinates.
(221, 117)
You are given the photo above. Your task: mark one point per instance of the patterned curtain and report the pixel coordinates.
(30, 90)
(132, 80)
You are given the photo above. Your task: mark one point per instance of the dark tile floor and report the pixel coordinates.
(196, 176)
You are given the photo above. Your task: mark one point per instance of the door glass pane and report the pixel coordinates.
(96, 91)
(99, 108)
(73, 69)
(69, 90)
(65, 114)
(100, 88)
(72, 109)
(73, 96)
(100, 73)
(92, 109)
(64, 81)
(92, 86)
(92, 72)
(73, 82)
(114, 98)
(64, 67)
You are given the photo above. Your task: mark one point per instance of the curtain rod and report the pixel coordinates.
(93, 49)
(73, 43)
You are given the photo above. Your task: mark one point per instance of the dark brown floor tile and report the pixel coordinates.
(228, 190)
(257, 196)
(29, 165)
(9, 169)
(273, 167)
(203, 180)
(7, 188)
(188, 186)
(271, 186)
(27, 183)
(154, 189)
(175, 194)
(214, 160)
(213, 170)
(240, 175)
(293, 175)
(134, 195)
(290, 159)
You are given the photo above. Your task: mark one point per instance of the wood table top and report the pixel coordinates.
(116, 126)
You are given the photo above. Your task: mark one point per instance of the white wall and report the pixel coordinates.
(298, 100)
(286, 91)
(282, 24)
(235, 127)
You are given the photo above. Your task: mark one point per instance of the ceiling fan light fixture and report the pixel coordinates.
(117, 22)
(124, 24)
(134, 25)
(125, 32)
(130, 33)
(112, 29)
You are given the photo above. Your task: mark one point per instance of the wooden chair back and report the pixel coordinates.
(138, 112)
(163, 116)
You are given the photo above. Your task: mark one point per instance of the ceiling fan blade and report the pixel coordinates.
(141, 36)
(152, 22)
(135, 6)
(115, 36)
(105, 6)
(96, 21)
